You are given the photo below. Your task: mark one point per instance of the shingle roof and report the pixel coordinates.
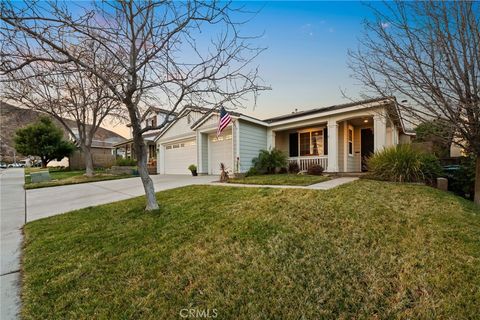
(323, 109)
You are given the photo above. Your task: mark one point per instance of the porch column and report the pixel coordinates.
(332, 146)
(394, 135)
(379, 132)
(199, 153)
(160, 159)
(270, 139)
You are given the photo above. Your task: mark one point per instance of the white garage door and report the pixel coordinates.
(221, 152)
(178, 156)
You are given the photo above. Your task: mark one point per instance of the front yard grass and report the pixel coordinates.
(368, 249)
(281, 179)
(62, 177)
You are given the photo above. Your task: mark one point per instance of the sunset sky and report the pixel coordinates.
(306, 60)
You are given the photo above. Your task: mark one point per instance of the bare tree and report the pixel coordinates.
(159, 47)
(64, 93)
(427, 54)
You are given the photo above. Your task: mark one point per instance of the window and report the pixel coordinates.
(305, 144)
(316, 141)
(311, 143)
(350, 141)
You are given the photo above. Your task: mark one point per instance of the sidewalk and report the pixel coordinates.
(12, 218)
(326, 185)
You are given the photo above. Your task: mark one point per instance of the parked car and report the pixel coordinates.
(3, 165)
(16, 165)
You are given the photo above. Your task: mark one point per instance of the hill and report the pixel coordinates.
(13, 117)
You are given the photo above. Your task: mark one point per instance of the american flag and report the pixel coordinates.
(225, 119)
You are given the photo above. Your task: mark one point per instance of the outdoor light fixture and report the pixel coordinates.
(366, 120)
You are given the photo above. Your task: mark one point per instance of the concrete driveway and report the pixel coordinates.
(46, 202)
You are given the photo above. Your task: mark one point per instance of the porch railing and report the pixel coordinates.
(305, 162)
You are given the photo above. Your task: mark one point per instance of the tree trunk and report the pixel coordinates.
(141, 154)
(44, 162)
(89, 171)
(476, 198)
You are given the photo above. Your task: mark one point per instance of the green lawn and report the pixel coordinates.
(367, 249)
(65, 177)
(281, 179)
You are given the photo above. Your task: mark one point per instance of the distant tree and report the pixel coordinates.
(179, 52)
(43, 139)
(427, 54)
(63, 92)
(438, 133)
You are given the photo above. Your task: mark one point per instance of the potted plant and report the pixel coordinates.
(193, 169)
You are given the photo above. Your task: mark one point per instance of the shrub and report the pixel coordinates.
(293, 167)
(403, 164)
(125, 162)
(283, 170)
(252, 172)
(269, 161)
(430, 167)
(192, 167)
(461, 178)
(315, 169)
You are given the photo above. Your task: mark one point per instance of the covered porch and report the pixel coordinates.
(126, 150)
(337, 144)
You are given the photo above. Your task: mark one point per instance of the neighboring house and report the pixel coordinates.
(339, 138)
(14, 117)
(102, 150)
(153, 116)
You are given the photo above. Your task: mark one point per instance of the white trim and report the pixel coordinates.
(332, 146)
(241, 116)
(256, 121)
(209, 152)
(237, 138)
(350, 128)
(330, 113)
(187, 136)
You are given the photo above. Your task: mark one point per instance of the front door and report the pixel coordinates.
(367, 146)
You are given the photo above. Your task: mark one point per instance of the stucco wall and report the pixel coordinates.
(282, 141)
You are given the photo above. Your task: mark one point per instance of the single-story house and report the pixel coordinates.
(338, 137)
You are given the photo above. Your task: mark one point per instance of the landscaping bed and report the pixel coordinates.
(281, 179)
(60, 177)
(368, 249)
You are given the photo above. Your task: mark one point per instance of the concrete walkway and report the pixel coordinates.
(46, 202)
(330, 184)
(12, 216)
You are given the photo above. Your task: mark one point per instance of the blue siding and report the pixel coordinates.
(253, 138)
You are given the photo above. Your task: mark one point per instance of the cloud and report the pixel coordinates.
(331, 30)
(385, 25)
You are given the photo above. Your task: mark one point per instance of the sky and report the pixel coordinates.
(305, 63)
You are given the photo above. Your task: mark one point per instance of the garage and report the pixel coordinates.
(179, 155)
(220, 152)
